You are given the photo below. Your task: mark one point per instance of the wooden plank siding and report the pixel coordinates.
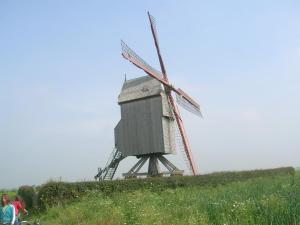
(146, 124)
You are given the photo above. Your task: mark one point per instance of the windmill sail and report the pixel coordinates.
(187, 105)
(154, 33)
(180, 148)
(129, 54)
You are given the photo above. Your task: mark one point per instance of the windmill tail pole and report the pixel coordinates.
(182, 131)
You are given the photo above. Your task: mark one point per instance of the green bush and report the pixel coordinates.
(55, 193)
(29, 196)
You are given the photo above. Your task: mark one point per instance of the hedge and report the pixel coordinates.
(29, 196)
(54, 193)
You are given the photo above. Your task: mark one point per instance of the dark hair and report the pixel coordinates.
(5, 198)
(18, 198)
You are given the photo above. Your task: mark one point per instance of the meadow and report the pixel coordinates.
(263, 201)
(11, 193)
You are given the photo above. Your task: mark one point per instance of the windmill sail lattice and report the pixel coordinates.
(180, 149)
(127, 52)
(188, 106)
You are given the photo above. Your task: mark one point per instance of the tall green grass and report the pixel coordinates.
(261, 201)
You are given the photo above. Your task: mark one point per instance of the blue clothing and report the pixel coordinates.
(17, 222)
(7, 214)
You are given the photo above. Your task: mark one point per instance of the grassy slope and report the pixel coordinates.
(257, 201)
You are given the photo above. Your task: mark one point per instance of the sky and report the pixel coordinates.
(61, 71)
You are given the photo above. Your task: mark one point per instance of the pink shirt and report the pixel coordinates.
(18, 206)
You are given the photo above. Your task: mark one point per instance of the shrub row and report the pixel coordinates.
(54, 193)
(29, 196)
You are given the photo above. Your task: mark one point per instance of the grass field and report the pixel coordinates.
(261, 201)
(11, 193)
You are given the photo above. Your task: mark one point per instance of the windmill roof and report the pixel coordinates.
(141, 87)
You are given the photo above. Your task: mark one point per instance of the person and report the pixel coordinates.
(19, 205)
(7, 213)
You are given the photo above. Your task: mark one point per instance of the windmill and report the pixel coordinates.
(149, 120)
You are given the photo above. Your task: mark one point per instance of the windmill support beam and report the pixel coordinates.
(170, 166)
(153, 167)
(137, 166)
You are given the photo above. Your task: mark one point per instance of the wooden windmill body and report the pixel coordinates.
(149, 118)
(146, 129)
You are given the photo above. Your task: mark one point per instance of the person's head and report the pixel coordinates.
(4, 200)
(18, 199)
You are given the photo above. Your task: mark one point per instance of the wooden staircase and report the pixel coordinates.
(111, 166)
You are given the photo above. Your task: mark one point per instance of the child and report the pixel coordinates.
(18, 203)
(7, 213)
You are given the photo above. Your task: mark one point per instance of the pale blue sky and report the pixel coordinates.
(61, 72)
